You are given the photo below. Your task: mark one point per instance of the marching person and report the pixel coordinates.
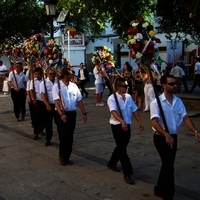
(47, 98)
(38, 105)
(120, 125)
(83, 78)
(197, 74)
(3, 72)
(166, 142)
(17, 81)
(66, 96)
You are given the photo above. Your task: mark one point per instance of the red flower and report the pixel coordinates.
(132, 31)
(140, 19)
(136, 46)
(157, 40)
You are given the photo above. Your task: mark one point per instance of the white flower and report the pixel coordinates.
(138, 55)
(144, 25)
(134, 23)
(139, 36)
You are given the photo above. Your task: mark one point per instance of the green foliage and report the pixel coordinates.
(20, 19)
(176, 19)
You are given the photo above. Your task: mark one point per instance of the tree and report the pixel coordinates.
(180, 17)
(21, 19)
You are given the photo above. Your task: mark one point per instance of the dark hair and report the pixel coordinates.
(119, 81)
(65, 71)
(38, 69)
(128, 66)
(163, 79)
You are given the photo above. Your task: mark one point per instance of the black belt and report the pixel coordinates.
(72, 111)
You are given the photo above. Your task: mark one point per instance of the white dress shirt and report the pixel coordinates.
(70, 95)
(127, 107)
(37, 88)
(20, 78)
(49, 86)
(174, 113)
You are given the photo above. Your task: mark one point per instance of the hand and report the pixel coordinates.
(197, 135)
(49, 108)
(170, 140)
(64, 118)
(124, 126)
(16, 89)
(34, 102)
(141, 126)
(84, 118)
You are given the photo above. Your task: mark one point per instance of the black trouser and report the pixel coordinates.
(165, 184)
(196, 82)
(39, 117)
(120, 153)
(50, 115)
(30, 105)
(82, 86)
(66, 134)
(184, 80)
(107, 83)
(19, 101)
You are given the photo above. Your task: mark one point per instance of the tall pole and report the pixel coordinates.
(68, 44)
(52, 28)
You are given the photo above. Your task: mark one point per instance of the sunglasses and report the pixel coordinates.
(124, 86)
(51, 73)
(172, 83)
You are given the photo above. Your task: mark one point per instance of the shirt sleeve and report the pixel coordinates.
(154, 110)
(112, 104)
(42, 90)
(55, 92)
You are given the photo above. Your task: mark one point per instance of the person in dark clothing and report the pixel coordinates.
(83, 78)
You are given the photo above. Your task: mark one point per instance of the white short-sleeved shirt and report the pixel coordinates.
(49, 86)
(2, 68)
(197, 68)
(98, 77)
(70, 95)
(128, 107)
(36, 89)
(176, 72)
(20, 78)
(174, 113)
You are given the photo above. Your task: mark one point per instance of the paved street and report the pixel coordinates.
(30, 170)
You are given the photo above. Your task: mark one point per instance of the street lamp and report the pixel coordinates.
(50, 6)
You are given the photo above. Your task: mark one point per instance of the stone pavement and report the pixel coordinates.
(30, 170)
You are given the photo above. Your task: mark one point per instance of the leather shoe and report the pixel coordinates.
(62, 161)
(22, 118)
(69, 162)
(42, 133)
(128, 179)
(113, 167)
(48, 143)
(157, 192)
(86, 95)
(35, 137)
(17, 120)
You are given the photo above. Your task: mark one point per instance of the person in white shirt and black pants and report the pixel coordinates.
(17, 81)
(166, 141)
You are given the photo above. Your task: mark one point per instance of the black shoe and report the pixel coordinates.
(63, 161)
(42, 133)
(48, 143)
(128, 179)
(35, 136)
(113, 167)
(69, 162)
(157, 192)
(86, 95)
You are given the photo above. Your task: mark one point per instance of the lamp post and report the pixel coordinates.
(50, 6)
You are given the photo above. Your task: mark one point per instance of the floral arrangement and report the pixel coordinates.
(33, 46)
(141, 39)
(103, 56)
